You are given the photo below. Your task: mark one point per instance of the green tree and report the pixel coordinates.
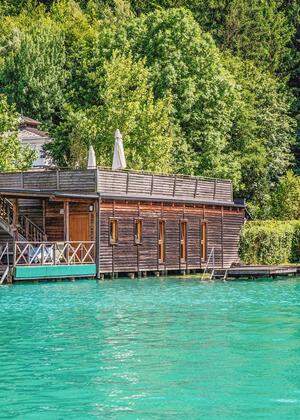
(186, 62)
(32, 73)
(286, 198)
(126, 102)
(263, 131)
(260, 30)
(13, 156)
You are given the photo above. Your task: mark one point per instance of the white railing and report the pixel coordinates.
(211, 258)
(4, 262)
(54, 253)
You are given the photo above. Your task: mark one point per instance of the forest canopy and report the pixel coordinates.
(196, 87)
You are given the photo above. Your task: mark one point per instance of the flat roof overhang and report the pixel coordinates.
(180, 200)
(46, 194)
(55, 195)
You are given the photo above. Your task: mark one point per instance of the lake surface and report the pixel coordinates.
(152, 348)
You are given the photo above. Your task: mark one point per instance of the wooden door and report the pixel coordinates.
(79, 227)
(79, 232)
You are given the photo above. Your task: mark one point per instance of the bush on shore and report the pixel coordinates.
(270, 242)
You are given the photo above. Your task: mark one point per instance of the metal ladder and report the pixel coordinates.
(211, 257)
(220, 274)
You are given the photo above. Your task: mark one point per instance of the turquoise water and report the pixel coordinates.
(153, 348)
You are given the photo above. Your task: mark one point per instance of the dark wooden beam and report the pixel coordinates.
(222, 236)
(66, 221)
(98, 237)
(15, 220)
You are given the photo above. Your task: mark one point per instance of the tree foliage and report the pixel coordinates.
(126, 102)
(201, 87)
(270, 242)
(32, 73)
(286, 198)
(13, 156)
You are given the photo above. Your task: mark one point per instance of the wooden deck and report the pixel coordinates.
(258, 271)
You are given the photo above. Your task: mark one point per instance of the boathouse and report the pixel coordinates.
(96, 222)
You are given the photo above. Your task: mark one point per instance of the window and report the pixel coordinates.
(113, 231)
(183, 236)
(138, 231)
(161, 240)
(203, 246)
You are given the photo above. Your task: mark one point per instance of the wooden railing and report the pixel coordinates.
(4, 262)
(25, 227)
(30, 230)
(54, 253)
(131, 183)
(6, 210)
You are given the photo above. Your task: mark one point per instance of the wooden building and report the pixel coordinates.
(97, 222)
(31, 135)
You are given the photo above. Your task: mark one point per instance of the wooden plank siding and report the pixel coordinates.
(223, 229)
(68, 181)
(120, 184)
(128, 196)
(133, 184)
(33, 209)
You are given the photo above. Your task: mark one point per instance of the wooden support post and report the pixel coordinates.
(15, 218)
(98, 236)
(222, 236)
(66, 221)
(44, 218)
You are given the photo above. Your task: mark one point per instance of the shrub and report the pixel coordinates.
(270, 242)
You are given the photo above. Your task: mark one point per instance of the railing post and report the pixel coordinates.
(14, 253)
(26, 229)
(127, 183)
(174, 185)
(68, 252)
(7, 254)
(42, 253)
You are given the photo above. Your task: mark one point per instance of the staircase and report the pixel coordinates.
(26, 230)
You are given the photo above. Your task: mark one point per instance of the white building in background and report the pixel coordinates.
(30, 134)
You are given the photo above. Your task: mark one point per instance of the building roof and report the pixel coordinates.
(29, 131)
(120, 185)
(28, 121)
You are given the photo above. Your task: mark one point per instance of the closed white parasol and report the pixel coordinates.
(119, 161)
(92, 159)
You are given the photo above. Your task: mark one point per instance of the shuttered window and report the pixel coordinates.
(161, 240)
(203, 247)
(183, 240)
(113, 231)
(138, 231)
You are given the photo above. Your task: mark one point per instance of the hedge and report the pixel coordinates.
(270, 242)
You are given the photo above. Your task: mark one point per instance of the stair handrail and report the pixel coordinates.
(6, 210)
(41, 235)
(25, 223)
(211, 256)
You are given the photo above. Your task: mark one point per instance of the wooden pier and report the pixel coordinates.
(258, 271)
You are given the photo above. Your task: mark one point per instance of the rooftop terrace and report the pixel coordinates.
(119, 184)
